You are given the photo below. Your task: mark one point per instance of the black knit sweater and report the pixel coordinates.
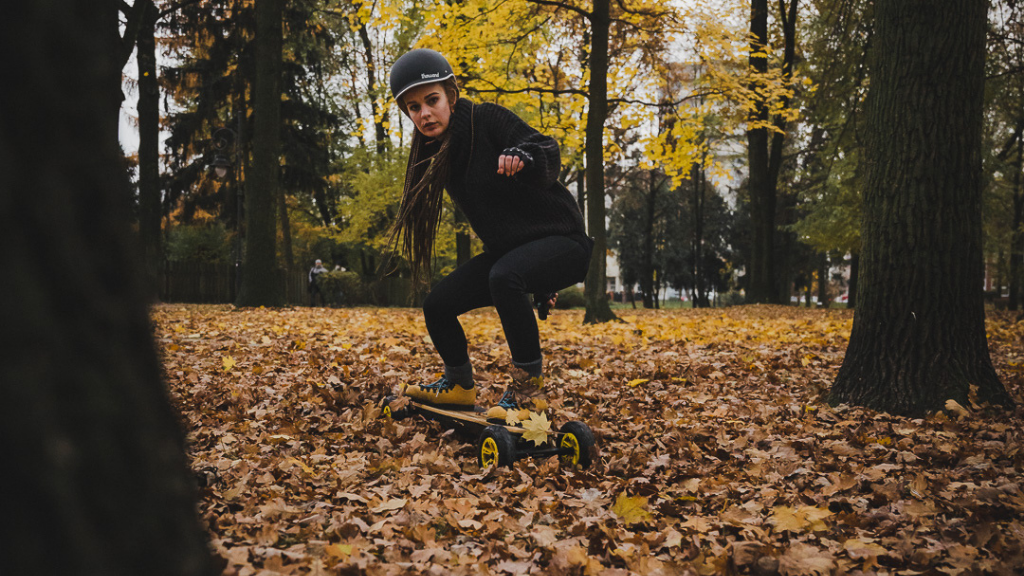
(507, 212)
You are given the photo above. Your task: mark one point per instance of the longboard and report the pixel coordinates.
(498, 442)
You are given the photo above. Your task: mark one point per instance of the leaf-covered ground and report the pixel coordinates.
(717, 454)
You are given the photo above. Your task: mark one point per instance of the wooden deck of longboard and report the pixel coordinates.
(475, 417)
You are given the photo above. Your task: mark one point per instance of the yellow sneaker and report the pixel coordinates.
(443, 394)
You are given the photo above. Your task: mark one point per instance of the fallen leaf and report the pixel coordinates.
(537, 428)
(631, 509)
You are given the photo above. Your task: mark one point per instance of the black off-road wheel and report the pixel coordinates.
(496, 446)
(387, 412)
(576, 444)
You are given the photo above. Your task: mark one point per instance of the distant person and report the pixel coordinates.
(503, 174)
(314, 285)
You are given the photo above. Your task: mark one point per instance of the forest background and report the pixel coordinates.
(730, 139)
(721, 451)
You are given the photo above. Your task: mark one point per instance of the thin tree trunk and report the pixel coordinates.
(286, 236)
(371, 80)
(1017, 237)
(597, 308)
(823, 281)
(918, 335)
(851, 299)
(261, 282)
(95, 474)
(149, 152)
(647, 266)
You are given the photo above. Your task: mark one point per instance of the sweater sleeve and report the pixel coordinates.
(544, 163)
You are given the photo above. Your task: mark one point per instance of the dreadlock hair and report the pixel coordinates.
(419, 215)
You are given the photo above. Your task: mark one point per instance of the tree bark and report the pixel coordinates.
(597, 308)
(764, 154)
(149, 152)
(261, 281)
(95, 470)
(761, 273)
(918, 336)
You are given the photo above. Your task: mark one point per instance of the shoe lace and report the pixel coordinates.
(442, 385)
(508, 400)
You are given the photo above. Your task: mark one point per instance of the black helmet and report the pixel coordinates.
(416, 67)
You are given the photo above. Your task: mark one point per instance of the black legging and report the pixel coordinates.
(506, 282)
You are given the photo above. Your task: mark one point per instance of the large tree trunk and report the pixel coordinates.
(149, 152)
(597, 308)
(95, 473)
(261, 281)
(919, 331)
(764, 154)
(761, 271)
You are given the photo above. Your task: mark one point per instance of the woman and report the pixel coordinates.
(503, 175)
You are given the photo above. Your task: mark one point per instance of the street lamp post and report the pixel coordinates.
(225, 141)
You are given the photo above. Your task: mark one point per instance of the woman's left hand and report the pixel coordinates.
(509, 165)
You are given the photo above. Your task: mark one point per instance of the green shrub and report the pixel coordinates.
(341, 288)
(571, 297)
(199, 243)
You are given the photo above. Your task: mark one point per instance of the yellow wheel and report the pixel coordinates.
(570, 449)
(576, 444)
(497, 447)
(386, 411)
(488, 452)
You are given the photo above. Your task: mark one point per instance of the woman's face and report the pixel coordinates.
(429, 108)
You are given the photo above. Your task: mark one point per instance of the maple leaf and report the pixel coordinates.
(537, 428)
(631, 509)
(229, 363)
(512, 417)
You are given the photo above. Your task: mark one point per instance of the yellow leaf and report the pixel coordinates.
(540, 404)
(800, 519)
(512, 417)
(638, 381)
(858, 549)
(631, 510)
(342, 551)
(229, 363)
(537, 428)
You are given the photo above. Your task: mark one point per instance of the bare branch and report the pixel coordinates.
(532, 90)
(663, 103)
(580, 11)
(176, 7)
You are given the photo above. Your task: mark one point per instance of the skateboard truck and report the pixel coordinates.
(501, 444)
